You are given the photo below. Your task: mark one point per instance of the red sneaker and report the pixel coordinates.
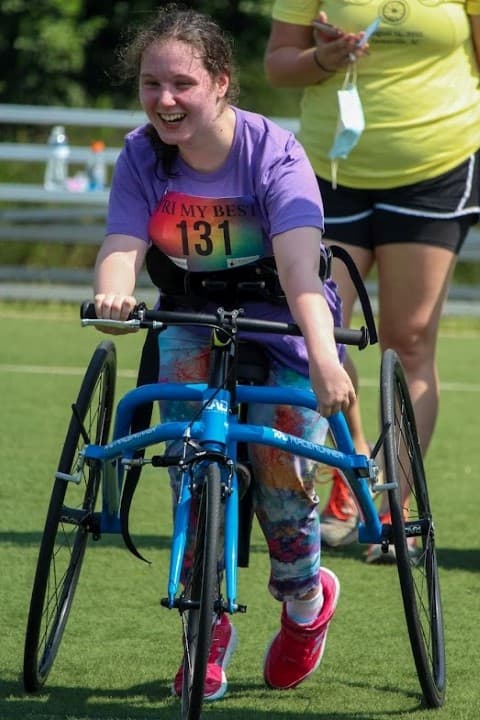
(296, 651)
(339, 518)
(223, 645)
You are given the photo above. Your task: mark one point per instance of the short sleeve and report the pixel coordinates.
(137, 186)
(127, 210)
(297, 13)
(292, 196)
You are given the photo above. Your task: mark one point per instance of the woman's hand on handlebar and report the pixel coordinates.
(109, 306)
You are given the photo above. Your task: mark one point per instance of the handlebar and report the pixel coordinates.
(142, 317)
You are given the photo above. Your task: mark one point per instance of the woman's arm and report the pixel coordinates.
(297, 255)
(298, 55)
(116, 269)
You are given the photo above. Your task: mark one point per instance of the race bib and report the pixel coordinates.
(201, 234)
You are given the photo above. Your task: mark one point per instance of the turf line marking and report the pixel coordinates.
(447, 386)
(51, 370)
(62, 370)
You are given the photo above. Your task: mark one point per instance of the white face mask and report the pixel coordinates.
(350, 123)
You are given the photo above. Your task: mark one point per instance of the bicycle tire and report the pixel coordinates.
(68, 522)
(203, 592)
(412, 517)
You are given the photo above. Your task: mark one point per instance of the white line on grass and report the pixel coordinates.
(50, 370)
(447, 386)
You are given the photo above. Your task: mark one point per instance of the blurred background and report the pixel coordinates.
(62, 53)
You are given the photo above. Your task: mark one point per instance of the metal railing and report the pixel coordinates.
(29, 213)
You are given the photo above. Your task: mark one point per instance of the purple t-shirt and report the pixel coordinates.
(214, 221)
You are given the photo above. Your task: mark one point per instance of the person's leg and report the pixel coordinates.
(418, 236)
(285, 502)
(413, 284)
(415, 233)
(416, 257)
(285, 496)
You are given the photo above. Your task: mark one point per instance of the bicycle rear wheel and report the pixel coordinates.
(70, 519)
(202, 592)
(413, 532)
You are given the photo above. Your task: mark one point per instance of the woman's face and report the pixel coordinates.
(180, 98)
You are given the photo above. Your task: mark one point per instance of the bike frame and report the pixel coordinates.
(217, 431)
(210, 449)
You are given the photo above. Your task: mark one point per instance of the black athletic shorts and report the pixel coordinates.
(435, 212)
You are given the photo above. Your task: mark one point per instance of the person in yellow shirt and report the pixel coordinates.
(402, 188)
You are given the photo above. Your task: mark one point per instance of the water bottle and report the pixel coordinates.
(96, 166)
(56, 171)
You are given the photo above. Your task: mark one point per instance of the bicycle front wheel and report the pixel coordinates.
(70, 519)
(413, 532)
(201, 592)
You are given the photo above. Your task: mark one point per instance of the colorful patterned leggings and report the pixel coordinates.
(285, 500)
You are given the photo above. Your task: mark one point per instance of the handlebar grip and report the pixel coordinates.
(87, 311)
(350, 336)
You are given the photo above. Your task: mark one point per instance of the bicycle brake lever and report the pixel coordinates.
(112, 323)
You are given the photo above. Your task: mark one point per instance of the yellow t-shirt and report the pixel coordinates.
(419, 88)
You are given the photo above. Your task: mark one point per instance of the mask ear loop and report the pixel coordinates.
(350, 80)
(351, 75)
(334, 170)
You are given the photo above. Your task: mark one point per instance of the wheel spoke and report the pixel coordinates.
(415, 553)
(63, 543)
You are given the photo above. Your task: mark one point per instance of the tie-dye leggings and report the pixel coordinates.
(285, 500)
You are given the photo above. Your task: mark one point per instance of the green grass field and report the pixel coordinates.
(121, 649)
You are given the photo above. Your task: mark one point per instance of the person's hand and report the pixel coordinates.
(336, 49)
(332, 386)
(109, 306)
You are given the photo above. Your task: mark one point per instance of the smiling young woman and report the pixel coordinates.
(207, 190)
(185, 105)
